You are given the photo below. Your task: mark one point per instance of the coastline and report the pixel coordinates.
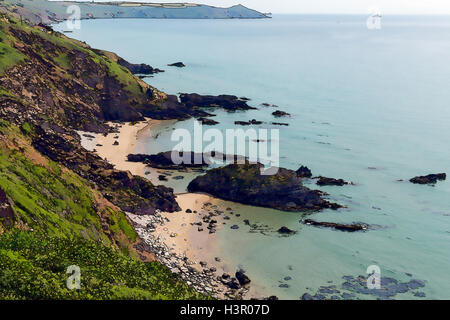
(183, 240)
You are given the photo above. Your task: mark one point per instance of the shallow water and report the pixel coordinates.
(359, 98)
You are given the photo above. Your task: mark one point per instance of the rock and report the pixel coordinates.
(234, 227)
(429, 179)
(304, 172)
(178, 178)
(226, 276)
(188, 211)
(272, 298)
(280, 113)
(227, 102)
(247, 222)
(284, 285)
(337, 226)
(307, 296)
(242, 278)
(162, 178)
(244, 183)
(285, 230)
(233, 284)
(189, 160)
(141, 68)
(116, 143)
(280, 124)
(207, 122)
(247, 123)
(324, 181)
(177, 64)
(203, 264)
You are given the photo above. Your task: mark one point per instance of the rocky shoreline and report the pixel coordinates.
(205, 281)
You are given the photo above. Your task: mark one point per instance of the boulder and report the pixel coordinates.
(242, 278)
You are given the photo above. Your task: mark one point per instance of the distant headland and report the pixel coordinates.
(48, 12)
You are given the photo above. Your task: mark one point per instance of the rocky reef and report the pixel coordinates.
(429, 179)
(227, 102)
(244, 183)
(338, 226)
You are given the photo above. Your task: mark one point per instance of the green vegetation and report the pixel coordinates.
(59, 222)
(34, 267)
(9, 56)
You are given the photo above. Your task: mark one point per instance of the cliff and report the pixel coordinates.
(61, 205)
(42, 11)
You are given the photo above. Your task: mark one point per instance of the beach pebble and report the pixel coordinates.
(235, 227)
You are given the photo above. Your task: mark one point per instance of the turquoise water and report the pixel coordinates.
(359, 98)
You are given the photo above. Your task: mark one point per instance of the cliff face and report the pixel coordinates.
(54, 192)
(43, 11)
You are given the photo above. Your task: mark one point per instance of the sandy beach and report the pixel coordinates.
(189, 234)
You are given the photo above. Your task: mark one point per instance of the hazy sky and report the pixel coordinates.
(336, 6)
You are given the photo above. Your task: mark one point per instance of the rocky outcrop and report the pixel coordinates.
(141, 68)
(244, 183)
(177, 64)
(324, 181)
(338, 226)
(304, 172)
(164, 160)
(429, 179)
(131, 193)
(227, 102)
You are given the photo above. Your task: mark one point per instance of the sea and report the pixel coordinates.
(368, 105)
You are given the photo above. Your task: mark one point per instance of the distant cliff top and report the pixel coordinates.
(42, 11)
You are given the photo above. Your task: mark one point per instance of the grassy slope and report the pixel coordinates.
(61, 221)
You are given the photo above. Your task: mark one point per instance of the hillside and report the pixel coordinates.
(42, 11)
(61, 205)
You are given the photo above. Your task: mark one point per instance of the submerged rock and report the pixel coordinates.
(247, 123)
(337, 226)
(429, 179)
(245, 184)
(285, 230)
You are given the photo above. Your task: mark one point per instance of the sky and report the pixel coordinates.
(334, 6)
